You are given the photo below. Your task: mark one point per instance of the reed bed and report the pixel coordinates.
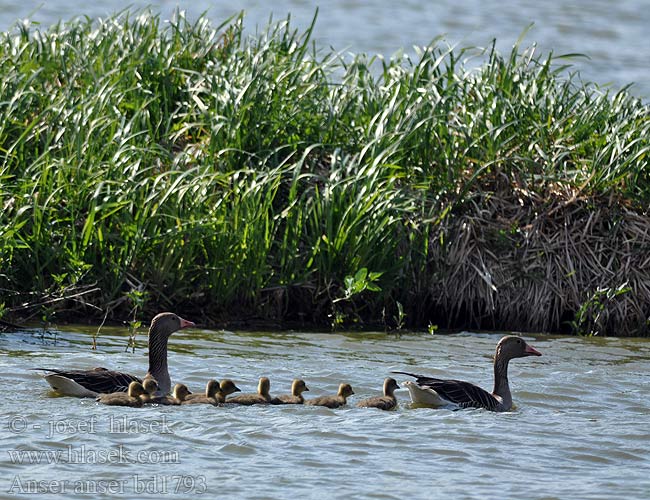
(254, 179)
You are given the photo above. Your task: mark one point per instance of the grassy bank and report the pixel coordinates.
(148, 165)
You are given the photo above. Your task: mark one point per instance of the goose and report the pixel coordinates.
(437, 392)
(386, 402)
(209, 398)
(150, 388)
(179, 394)
(261, 398)
(345, 391)
(226, 388)
(130, 398)
(90, 383)
(298, 386)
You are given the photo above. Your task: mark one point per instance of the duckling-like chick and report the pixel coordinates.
(386, 402)
(226, 387)
(209, 398)
(130, 398)
(178, 396)
(261, 398)
(150, 387)
(345, 391)
(298, 386)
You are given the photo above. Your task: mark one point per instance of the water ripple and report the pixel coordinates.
(583, 412)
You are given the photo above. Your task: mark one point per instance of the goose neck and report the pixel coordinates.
(158, 360)
(501, 385)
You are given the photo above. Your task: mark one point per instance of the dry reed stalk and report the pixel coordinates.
(513, 261)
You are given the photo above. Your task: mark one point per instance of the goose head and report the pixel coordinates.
(298, 386)
(164, 324)
(181, 392)
(150, 385)
(511, 346)
(211, 388)
(227, 387)
(390, 386)
(345, 390)
(264, 387)
(136, 390)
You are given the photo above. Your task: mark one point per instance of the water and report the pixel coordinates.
(580, 428)
(612, 34)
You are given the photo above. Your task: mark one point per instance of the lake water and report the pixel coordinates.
(580, 428)
(612, 34)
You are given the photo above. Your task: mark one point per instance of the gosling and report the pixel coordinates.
(209, 398)
(261, 398)
(226, 388)
(386, 402)
(178, 396)
(345, 391)
(130, 398)
(150, 386)
(298, 386)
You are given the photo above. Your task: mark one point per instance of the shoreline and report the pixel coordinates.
(508, 253)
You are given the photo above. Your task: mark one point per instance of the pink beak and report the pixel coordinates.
(531, 351)
(185, 323)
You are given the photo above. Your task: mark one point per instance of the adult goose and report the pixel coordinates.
(345, 391)
(437, 392)
(90, 383)
(386, 402)
(298, 386)
(261, 398)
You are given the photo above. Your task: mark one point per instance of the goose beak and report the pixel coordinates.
(185, 323)
(306, 388)
(531, 351)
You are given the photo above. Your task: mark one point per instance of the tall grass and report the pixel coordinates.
(245, 177)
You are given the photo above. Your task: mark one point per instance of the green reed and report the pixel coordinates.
(247, 176)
